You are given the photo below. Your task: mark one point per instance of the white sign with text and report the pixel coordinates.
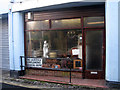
(34, 62)
(75, 52)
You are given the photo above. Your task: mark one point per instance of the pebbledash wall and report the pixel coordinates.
(16, 32)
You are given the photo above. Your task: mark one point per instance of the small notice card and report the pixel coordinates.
(75, 51)
(34, 62)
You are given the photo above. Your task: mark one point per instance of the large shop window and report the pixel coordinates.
(54, 41)
(60, 42)
(54, 44)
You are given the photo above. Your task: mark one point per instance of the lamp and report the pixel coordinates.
(30, 15)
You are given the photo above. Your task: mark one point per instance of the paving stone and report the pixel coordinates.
(39, 84)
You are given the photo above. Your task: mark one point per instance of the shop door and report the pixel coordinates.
(94, 54)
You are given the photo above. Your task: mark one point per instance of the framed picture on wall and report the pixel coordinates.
(77, 64)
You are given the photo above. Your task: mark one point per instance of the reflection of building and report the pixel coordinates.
(61, 24)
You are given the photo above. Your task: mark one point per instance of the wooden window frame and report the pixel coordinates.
(61, 14)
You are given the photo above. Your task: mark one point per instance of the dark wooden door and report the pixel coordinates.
(94, 54)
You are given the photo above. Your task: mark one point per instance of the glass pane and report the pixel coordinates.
(59, 42)
(66, 23)
(93, 21)
(94, 51)
(54, 44)
(37, 25)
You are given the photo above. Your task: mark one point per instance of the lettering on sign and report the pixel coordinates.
(34, 62)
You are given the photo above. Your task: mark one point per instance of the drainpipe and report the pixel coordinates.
(12, 39)
(12, 36)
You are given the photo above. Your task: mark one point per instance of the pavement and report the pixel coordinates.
(94, 83)
(7, 82)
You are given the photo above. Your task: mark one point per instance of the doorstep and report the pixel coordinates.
(95, 83)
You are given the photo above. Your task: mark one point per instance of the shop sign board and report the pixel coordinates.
(34, 62)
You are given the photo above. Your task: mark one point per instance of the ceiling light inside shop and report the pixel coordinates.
(30, 15)
(80, 38)
(96, 22)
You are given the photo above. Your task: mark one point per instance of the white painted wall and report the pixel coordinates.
(4, 6)
(112, 31)
(119, 40)
(10, 22)
(16, 39)
(31, 4)
(37, 4)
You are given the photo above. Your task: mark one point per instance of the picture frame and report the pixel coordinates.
(77, 63)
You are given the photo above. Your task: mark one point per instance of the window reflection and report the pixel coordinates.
(94, 51)
(37, 25)
(93, 21)
(66, 23)
(56, 43)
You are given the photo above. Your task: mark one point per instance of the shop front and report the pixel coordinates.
(64, 39)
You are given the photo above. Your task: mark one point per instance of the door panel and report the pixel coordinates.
(94, 54)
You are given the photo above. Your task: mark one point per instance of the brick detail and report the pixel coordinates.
(53, 73)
